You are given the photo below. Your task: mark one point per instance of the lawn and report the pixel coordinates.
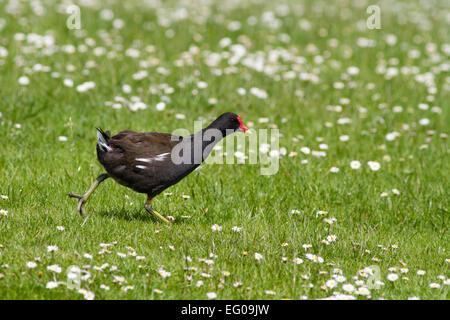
(358, 207)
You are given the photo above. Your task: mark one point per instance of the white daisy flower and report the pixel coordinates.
(374, 166)
(392, 276)
(211, 295)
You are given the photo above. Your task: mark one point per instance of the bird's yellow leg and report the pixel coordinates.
(84, 198)
(156, 214)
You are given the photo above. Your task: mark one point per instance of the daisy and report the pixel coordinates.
(24, 81)
(305, 150)
(434, 285)
(160, 106)
(199, 283)
(55, 268)
(236, 229)
(340, 278)
(3, 212)
(374, 166)
(31, 264)
(118, 279)
(330, 220)
(355, 164)
(216, 227)
(392, 276)
(126, 288)
(334, 169)
(331, 283)
(68, 82)
(363, 291)
(209, 261)
(421, 272)
(298, 261)
(51, 285)
(87, 256)
(52, 248)
(348, 287)
(88, 295)
(211, 295)
(331, 238)
(241, 91)
(424, 122)
(60, 228)
(376, 259)
(163, 273)
(258, 256)
(318, 154)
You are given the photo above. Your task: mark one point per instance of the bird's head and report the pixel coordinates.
(230, 120)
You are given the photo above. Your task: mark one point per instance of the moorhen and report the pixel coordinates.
(150, 162)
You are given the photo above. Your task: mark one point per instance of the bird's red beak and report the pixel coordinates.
(242, 126)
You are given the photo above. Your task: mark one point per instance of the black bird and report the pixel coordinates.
(150, 162)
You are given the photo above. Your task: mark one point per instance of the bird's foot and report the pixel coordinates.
(81, 201)
(155, 213)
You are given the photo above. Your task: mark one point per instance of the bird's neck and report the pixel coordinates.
(203, 141)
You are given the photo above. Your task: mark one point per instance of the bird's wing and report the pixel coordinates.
(141, 161)
(144, 144)
(139, 150)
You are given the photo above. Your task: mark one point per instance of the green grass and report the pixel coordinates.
(37, 170)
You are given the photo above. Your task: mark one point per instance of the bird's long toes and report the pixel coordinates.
(71, 195)
(80, 206)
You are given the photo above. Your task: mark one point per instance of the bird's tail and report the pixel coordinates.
(102, 140)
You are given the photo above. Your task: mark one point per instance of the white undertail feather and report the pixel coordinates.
(158, 157)
(102, 142)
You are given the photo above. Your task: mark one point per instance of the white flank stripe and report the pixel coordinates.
(160, 157)
(148, 160)
(141, 167)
